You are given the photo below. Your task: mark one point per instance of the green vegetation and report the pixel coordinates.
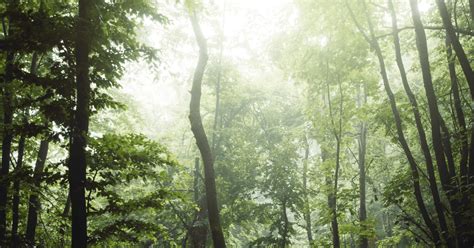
(237, 123)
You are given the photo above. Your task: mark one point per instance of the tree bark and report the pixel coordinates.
(331, 206)
(459, 113)
(332, 202)
(198, 230)
(201, 138)
(398, 123)
(77, 167)
(218, 91)
(7, 127)
(34, 202)
(419, 126)
(16, 193)
(286, 225)
(362, 143)
(464, 145)
(461, 55)
(16, 184)
(436, 122)
(332, 197)
(307, 210)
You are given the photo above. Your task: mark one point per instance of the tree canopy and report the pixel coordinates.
(237, 123)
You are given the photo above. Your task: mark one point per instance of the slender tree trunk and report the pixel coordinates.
(201, 138)
(6, 150)
(471, 8)
(362, 142)
(77, 168)
(332, 200)
(307, 210)
(16, 184)
(218, 89)
(419, 126)
(196, 180)
(63, 226)
(461, 55)
(436, 122)
(398, 123)
(471, 158)
(460, 118)
(463, 137)
(286, 225)
(332, 197)
(198, 230)
(16, 193)
(216, 114)
(7, 127)
(34, 204)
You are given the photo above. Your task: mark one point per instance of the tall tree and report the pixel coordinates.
(362, 151)
(306, 207)
(16, 185)
(16, 193)
(457, 47)
(201, 138)
(198, 228)
(441, 149)
(7, 135)
(372, 40)
(77, 166)
(419, 126)
(34, 201)
(337, 132)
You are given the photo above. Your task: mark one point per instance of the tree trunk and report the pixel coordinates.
(77, 167)
(459, 113)
(34, 202)
(332, 200)
(462, 57)
(419, 126)
(6, 150)
(218, 92)
(307, 210)
(332, 197)
(16, 184)
(16, 193)
(471, 8)
(7, 128)
(286, 225)
(362, 142)
(201, 138)
(198, 230)
(436, 121)
(462, 136)
(398, 123)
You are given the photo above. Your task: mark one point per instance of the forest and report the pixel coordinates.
(237, 123)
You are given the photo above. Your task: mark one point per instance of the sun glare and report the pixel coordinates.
(424, 7)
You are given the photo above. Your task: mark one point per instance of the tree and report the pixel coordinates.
(361, 161)
(307, 209)
(421, 132)
(34, 203)
(201, 138)
(371, 39)
(461, 55)
(78, 165)
(7, 135)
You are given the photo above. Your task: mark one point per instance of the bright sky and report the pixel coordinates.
(162, 94)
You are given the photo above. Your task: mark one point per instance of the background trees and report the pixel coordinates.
(329, 123)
